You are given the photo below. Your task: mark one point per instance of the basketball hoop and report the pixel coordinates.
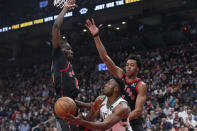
(59, 3)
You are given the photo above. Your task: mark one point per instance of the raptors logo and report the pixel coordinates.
(130, 94)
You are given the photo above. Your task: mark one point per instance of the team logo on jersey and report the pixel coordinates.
(130, 94)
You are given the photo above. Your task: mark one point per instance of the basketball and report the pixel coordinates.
(65, 106)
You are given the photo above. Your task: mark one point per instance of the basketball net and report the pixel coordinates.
(59, 3)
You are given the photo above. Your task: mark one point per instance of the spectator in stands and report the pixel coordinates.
(190, 123)
(182, 113)
(170, 83)
(24, 126)
(167, 110)
(165, 125)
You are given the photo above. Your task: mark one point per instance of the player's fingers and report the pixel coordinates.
(92, 104)
(96, 102)
(99, 100)
(101, 25)
(72, 118)
(93, 21)
(74, 5)
(69, 116)
(79, 111)
(88, 22)
(101, 106)
(87, 26)
(67, 119)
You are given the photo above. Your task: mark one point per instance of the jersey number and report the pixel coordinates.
(130, 94)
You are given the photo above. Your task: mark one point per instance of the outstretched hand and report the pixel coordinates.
(90, 24)
(70, 4)
(72, 119)
(96, 105)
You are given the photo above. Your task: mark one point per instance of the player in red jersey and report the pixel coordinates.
(135, 88)
(64, 79)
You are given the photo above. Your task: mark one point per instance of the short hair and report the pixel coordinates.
(120, 83)
(137, 59)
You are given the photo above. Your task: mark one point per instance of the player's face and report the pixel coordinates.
(67, 49)
(109, 87)
(131, 67)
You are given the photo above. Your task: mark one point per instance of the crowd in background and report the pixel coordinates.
(27, 95)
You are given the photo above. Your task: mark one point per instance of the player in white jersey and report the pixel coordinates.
(105, 111)
(112, 108)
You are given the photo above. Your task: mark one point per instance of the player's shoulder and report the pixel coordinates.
(141, 88)
(141, 83)
(122, 108)
(124, 104)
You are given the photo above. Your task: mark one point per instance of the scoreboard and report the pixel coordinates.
(81, 11)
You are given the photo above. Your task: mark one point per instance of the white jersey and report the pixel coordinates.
(105, 111)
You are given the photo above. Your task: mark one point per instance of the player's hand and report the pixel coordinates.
(72, 119)
(79, 116)
(69, 4)
(96, 105)
(90, 24)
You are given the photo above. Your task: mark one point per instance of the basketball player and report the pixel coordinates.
(64, 79)
(113, 110)
(135, 88)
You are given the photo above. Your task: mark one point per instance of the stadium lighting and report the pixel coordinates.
(109, 25)
(84, 30)
(123, 22)
(117, 28)
(63, 37)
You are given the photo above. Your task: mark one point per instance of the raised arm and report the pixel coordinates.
(140, 101)
(56, 37)
(113, 69)
(120, 112)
